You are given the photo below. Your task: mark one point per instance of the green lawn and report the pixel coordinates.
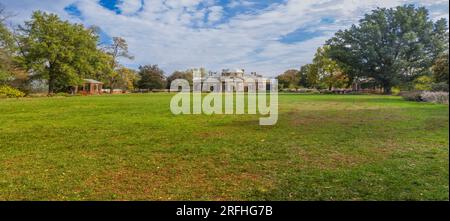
(131, 147)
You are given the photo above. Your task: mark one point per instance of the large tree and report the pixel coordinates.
(303, 77)
(127, 77)
(346, 56)
(11, 70)
(6, 48)
(186, 75)
(289, 79)
(58, 51)
(151, 77)
(118, 49)
(390, 45)
(440, 69)
(312, 75)
(6, 56)
(329, 71)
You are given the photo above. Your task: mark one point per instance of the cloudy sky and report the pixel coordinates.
(264, 36)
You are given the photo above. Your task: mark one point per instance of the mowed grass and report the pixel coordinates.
(131, 147)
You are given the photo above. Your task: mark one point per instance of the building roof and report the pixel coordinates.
(91, 81)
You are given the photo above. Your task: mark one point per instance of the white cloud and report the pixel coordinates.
(23, 8)
(181, 34)
(240, 3)
(215, 14)
(129, 7)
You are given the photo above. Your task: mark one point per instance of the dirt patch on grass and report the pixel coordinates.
(127, 184)
(15, 167)
(210, 134)
(436, 123)
(12, 162)
(361, 117)
(203, 179)
(330, 160)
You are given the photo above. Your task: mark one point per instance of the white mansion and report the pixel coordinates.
(237, 81)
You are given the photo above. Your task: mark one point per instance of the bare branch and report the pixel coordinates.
(4, 14)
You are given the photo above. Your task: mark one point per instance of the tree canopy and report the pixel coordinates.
(58, 51)
(323, 72)
(151, 77)
(289, 79)
(118, 49)
(329, 72)
(187, 75)
(390, 45)
(6, 49)
(440, 69)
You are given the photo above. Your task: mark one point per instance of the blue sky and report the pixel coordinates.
(265, 36)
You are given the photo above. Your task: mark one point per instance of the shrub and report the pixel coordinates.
(423, 83)
(10, 92)
(442, 86)
(426, 96)
(435, 97)
(395, 90)
(411, 95)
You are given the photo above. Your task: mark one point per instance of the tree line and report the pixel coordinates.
(63, 54)
(396, 47)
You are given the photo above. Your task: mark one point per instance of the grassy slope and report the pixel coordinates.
(132, 148)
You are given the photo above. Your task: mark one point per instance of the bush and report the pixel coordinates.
(7, 91)
(426, 96)
(435, 97)
(395, 90)
(423, 83)
(411, 95)
(442, 86)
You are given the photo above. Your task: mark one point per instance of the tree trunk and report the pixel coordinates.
(387, 89)
(51, 85)
(350, 82)
(111, 86)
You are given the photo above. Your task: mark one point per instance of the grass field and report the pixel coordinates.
(130, 147)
